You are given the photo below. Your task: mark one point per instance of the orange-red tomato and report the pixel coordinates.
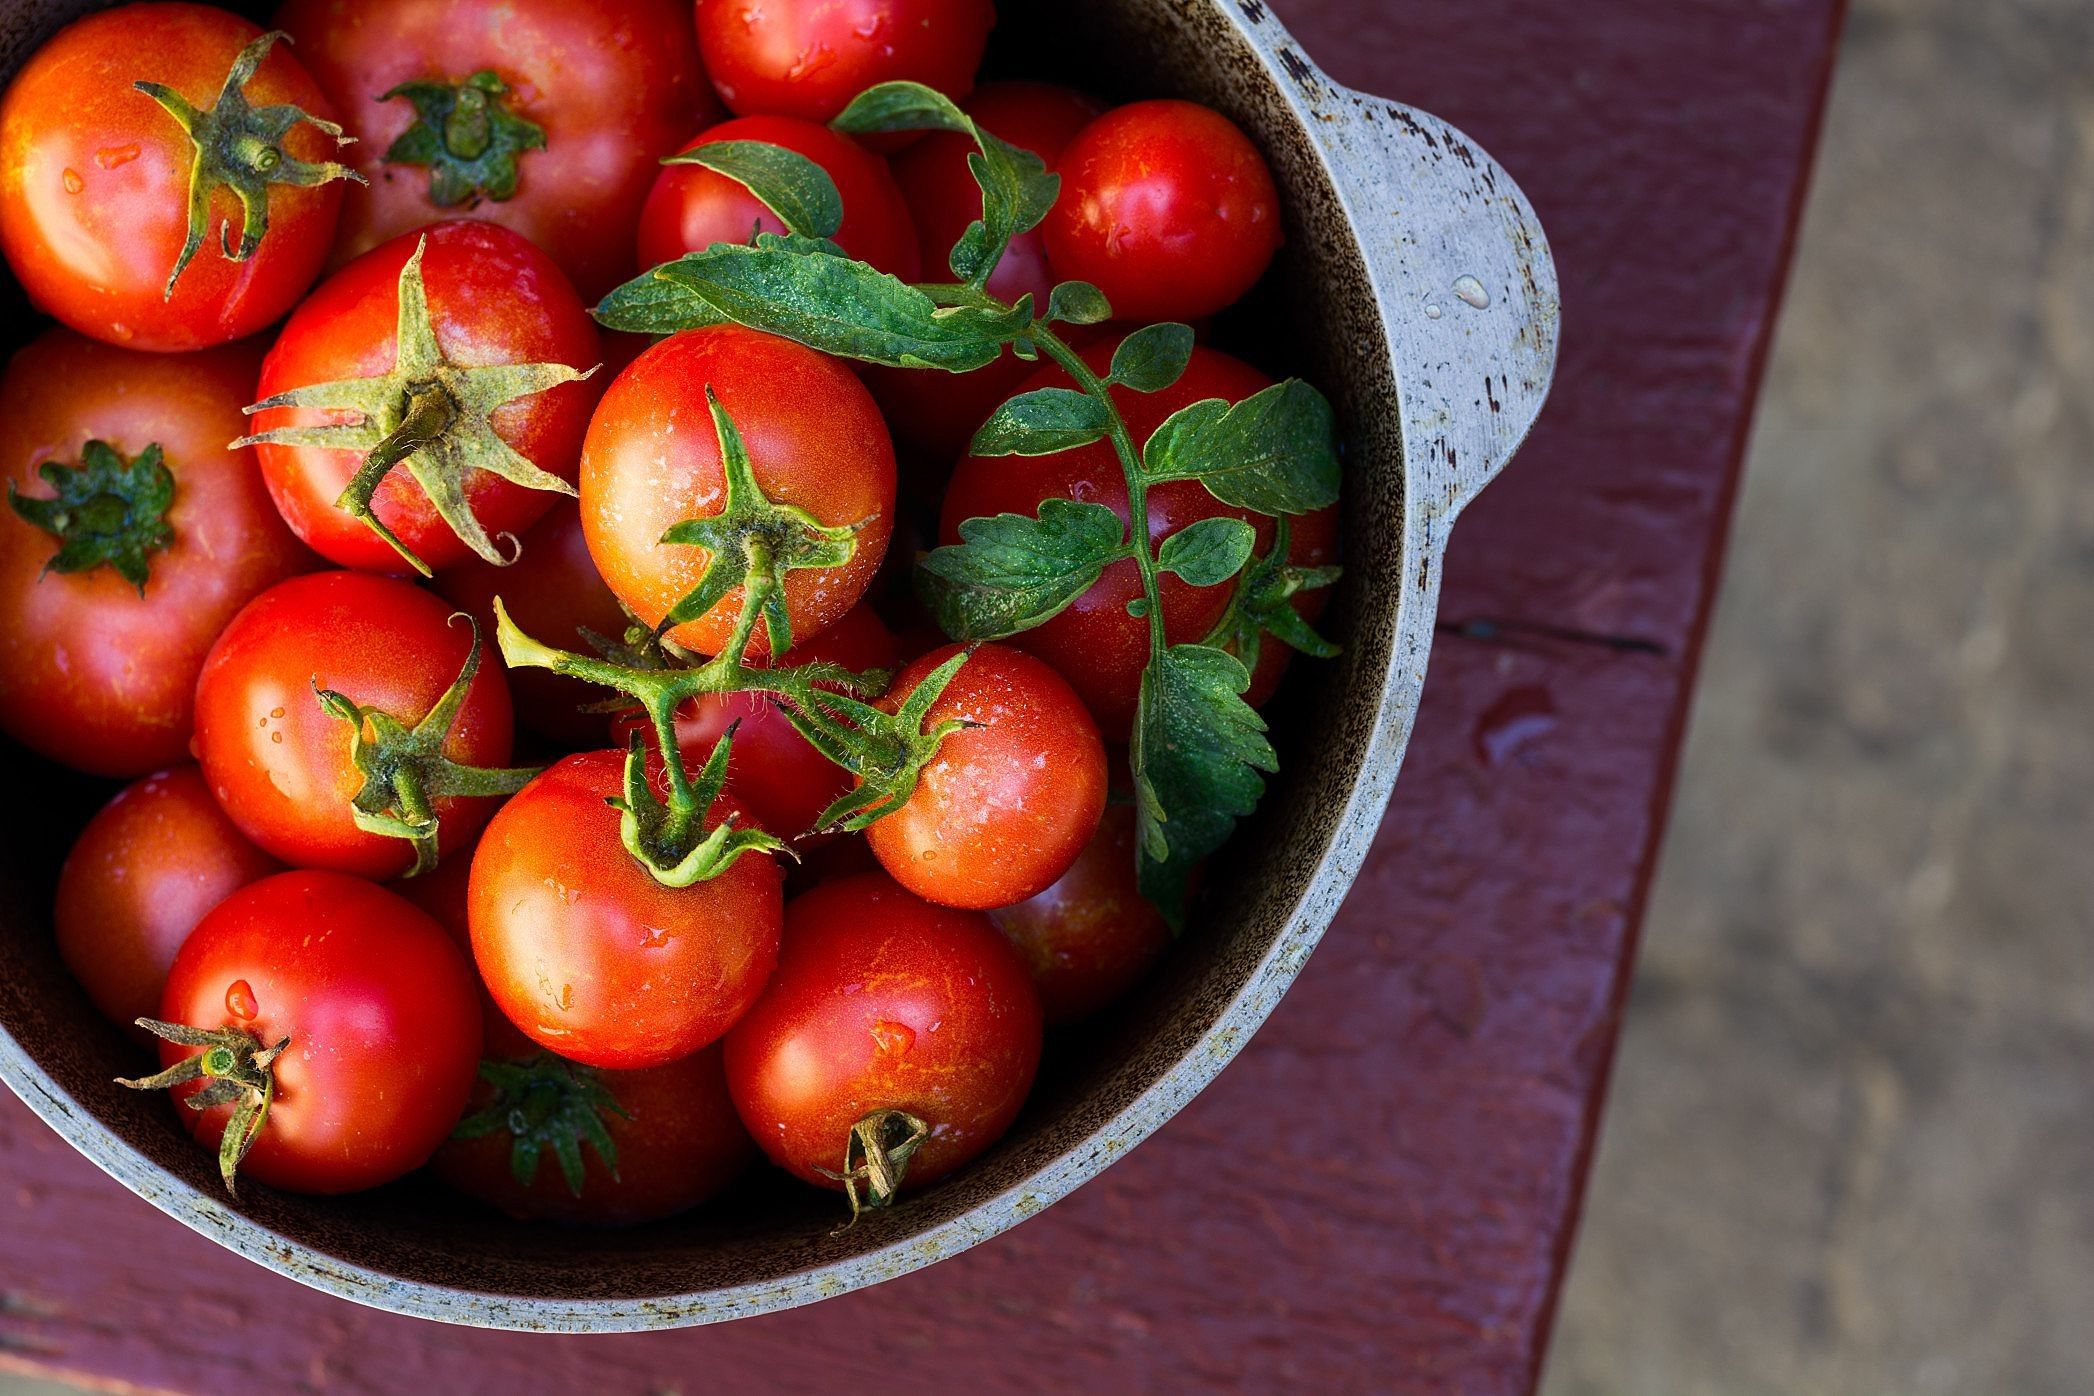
(810, 60)
(1092, 935)
(91, 672)
(94, 181)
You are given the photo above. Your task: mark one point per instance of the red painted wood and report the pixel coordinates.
(1378, 1195)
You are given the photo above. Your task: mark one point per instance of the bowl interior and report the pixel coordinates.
(1101, 1087)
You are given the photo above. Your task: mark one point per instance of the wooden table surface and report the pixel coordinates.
(1380, 1193)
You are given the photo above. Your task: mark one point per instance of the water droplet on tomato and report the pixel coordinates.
(111, 156)
(73, 183)
(276, 712)
(120, 332)
(893, 1037)
(239, 1001)
(277, 737)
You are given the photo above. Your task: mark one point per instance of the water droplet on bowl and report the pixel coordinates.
(1433, 312)
(1471, 291)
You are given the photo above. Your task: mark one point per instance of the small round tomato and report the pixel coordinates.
(492, 301)
(379, 1012)
(783, 781)
(592, 957)
(1008, 802)
(95, 179)
(552, 591)
(810, 60)
(691, 207)
(816, 442)
(94, 671)
(884, 1003)
(1094, 643)
(1167, 208)
(1092, 935)
(142, 873)
(544, 116)
(281, 764)
(1312, 541)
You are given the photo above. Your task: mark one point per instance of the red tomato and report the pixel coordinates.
(881, 1002)
(382, 1016)
(493, 300)
(610, 86)
(784, 782)
(935, 411)
(95, 177)
(1095, 644)
(1312, 541)
(690, 207)
(652, 460)
(140, 876)
(810, 60)
(1092, 935)
(552, 592)
(280, 763)
(91, 672)
(1167, 208)
(592, 957)
(1006, 805)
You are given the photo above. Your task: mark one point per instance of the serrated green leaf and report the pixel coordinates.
(1275, 452)
(1012, 572)
(1078, 303)
(1152, 358)
(1208, 552)
(1198, 753)
(1041, 422)
(784, 181)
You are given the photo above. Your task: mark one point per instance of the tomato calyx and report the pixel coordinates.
(428, 414)
(240, 147)
(405, 769)
(106, 510)
(877, 1154)
(671, 838)
(467, 137)
(547, 1104)
(1263, 605)
(238, 1068)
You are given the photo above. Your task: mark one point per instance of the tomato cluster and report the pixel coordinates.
(483, 703)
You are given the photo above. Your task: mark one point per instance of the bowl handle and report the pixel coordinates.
(1462, 274)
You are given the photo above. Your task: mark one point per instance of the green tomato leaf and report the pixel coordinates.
(1012, 572)
(1041, 422)
(1198, 753)
(649, 304)
(1079, 303)
(1275, 452)
(786, 182)
(1208, 552)
(1152, 358)
(902, 106)
(1263, 604)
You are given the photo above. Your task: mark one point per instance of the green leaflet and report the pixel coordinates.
(1013, 572)
(1152, 358)
(1079, 303)
(1263, 604)
(1041, 422)
(1208, 552)
(1275, 452)
(786, 182)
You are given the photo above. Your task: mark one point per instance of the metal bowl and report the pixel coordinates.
(1417, 290)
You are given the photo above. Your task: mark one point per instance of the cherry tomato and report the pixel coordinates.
(691, 207)
(493, 300)
(1312, 541)
(810, 60)
(382, 1016)
(558, 142)
(935, 411)
(92, 672)
(140, 876)
(592, 957)
(784, 782)
(884, 1002)
(95, 181)
(553, 592)
(1007, 804)
(652, 460)
(1095, 644)
(1167, 208)
(1092, 935)
(280, 763)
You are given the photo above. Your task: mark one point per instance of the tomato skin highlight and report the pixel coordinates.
(691, 207)
(614, 84)
(91, 673)
(591, 957)
(809, 60)
(280, 764)
(149, 866)
(94, 181)
(1091, 936)
(652, 459)
(493, 299)
(883, 1001)
(1005, 807)
(381, 1010)
(1167, 208)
